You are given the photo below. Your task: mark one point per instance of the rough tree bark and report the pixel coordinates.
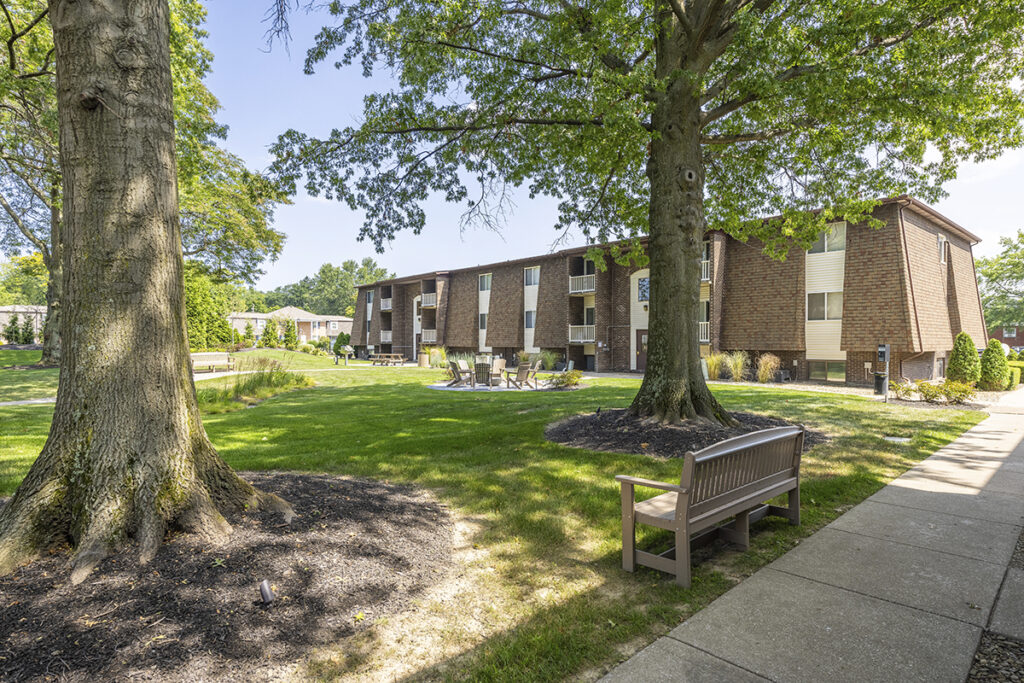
(54, 268)
(673, 388)
(127, 456)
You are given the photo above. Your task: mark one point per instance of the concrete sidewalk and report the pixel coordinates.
(899, 588)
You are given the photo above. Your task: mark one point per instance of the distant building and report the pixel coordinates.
(1011, 335)
(311, 327)
(36, 313)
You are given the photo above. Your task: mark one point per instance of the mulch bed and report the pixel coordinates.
(359, 550)
(617, 432)
(998, 659)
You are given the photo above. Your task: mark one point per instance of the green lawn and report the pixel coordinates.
(19, 385)
(544, 598)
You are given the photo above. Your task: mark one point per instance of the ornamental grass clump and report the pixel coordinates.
(258, 378)
(716, 363)
(548, 359)
(994, 368)
(768, 365)
(964, 365)
(738, 362)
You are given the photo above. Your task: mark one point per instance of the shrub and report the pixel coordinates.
(249, 338)
(964, 365)
(993, 367)
(737, 362)
(566, 379)
(929, 392)
(438, 355)
(258, 378)
(768, 365)
(339, 344)
(306, 348)
(1012, 355)
(549, 359)
(902, 390)
(957, 392)
(291, 336)
(12, 333)
(1013, 379)
(323, 343)
(28, 331)
(523, 357)
(1016, 364)
(716, 363)
(268, 340)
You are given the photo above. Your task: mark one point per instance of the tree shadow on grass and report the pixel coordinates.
(359, 550)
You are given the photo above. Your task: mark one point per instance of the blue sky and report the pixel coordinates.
(265, 93)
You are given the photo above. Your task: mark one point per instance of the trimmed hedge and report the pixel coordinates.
(1014, 379)
(994, 368)
(964, 365)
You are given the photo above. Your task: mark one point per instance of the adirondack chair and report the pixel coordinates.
(521, 377)
(460, 377)
(497, 368)
(729, 479)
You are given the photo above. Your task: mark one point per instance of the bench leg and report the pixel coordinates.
(738, 532)
(794, 506)
(683, 557)
(628, 529)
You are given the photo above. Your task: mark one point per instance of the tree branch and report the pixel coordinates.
(758, 136)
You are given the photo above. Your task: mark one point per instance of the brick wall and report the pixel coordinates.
(401, 320)
(443, 283)
(505, 318)
(552, 330)
(717, 286)
(359, 319)
(374, 338)
(965, 291)
(461, 311)
(876, 301)
(928, 276)
(762, 299)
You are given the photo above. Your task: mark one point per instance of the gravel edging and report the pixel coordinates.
(998, 657)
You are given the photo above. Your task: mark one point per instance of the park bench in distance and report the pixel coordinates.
(211, 360)
(387, 359)
(731, 478)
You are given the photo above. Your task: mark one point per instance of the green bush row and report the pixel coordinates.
(950, 391)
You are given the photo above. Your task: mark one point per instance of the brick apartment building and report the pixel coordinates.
(1011, 335)
(911, 284)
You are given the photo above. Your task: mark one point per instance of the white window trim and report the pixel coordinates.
(942, 241)
(824, 236)
(529, 327)
(826, 319)
(534, 269)
(480, 279)
(481, 318)
(1006, 332)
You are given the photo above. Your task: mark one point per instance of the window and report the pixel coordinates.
(485, 282)
(483, 321)
(334, 324)
(705, 254)
(369, 296)
(833, 239)
(589, 315)
(643, 289)
(530, 319)
(367, 326)
(825, 306)
(589, 268)
(1010, 332)
(260, 324)
(705, 311)
(830, 371)
(942, 248)
(531, 276)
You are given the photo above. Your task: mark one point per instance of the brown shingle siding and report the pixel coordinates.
(552, 330)
(359, 319)
(928, 275)
(461, 311)
(763, 299)
(505, 318)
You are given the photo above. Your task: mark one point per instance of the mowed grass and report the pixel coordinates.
(553, 601)
(21, 385)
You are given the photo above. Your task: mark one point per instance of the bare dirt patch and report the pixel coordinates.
(618, 432)
(359, 550)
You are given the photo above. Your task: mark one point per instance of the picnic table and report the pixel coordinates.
(387, 359)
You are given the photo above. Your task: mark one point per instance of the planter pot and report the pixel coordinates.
(423, 360)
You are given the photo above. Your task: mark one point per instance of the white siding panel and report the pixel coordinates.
(823, 340)
(825, 272)
(638, 317)
(530, 293)
(483, 306)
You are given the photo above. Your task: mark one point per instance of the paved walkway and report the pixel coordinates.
(899, 588)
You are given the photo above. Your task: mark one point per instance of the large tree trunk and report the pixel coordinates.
(127, 456)
(673, 388)
(54, 268)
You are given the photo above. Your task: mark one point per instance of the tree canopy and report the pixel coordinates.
(23, 281)
(332, 291)
(799, 106)
(1002, 283)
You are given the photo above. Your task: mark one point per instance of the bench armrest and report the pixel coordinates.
(636, 481)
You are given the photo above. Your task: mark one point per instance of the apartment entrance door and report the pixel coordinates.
(641, 349)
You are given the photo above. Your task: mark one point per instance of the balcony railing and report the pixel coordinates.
(582, 334)
(429, 336)
(581, 284)
(385, 336)
(429, 300)
(705, 270)
(385, 304)
(704, 332)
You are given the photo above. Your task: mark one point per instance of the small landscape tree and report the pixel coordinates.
(291, 337)
(994, 368)
(340, 343)
(28, 331)
(964, 365)
(12, 333)
(268, 340)
(249, 336)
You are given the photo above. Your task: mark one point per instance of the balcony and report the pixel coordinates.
(428, 336)
(704, 332)
(385, 336)
(428, 300)
(582, 334)
(385, 304)
(705, 270)
(582, 284)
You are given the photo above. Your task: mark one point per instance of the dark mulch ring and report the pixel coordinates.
(998, 658)
(617, 432)
(358, 550)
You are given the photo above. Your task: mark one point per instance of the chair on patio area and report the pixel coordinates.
(524, 376)
(460, 377)
(482, 374)
(497, 369)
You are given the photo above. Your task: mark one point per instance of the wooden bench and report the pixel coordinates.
(211, 360)
(387, 359)
(732, 478)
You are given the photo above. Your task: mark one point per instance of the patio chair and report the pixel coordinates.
(460, 377)
(496, 370)
(466, 370)
(524, 376)
(482, 373)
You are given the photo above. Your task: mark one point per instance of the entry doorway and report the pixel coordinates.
(641, 350)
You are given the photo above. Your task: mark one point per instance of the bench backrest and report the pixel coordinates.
(738, 466)
(210, 357)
